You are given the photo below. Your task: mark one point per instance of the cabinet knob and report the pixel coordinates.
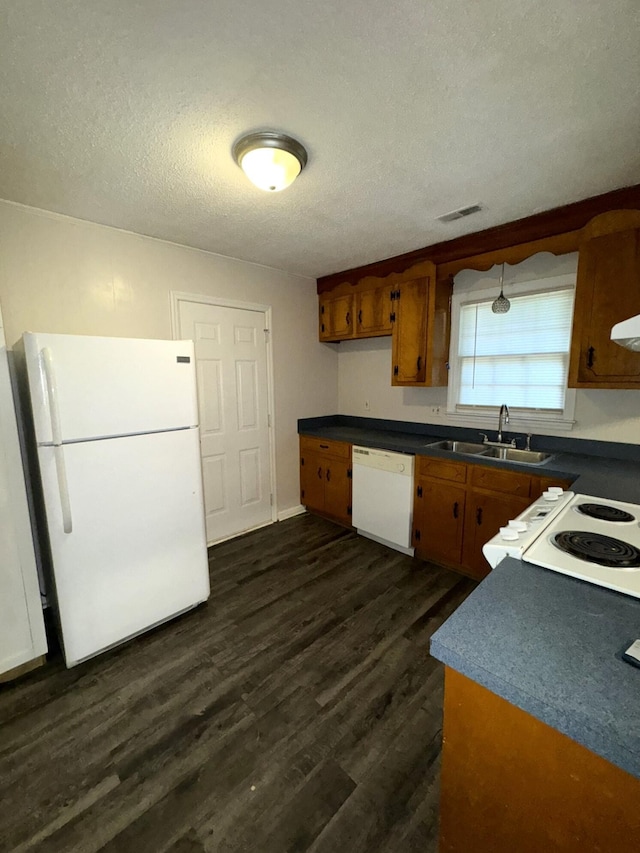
(319, 473)
(328, 475)
(479, 515)
(455, 509)
(590, 354)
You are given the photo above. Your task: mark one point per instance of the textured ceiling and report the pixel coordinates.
(124, 112)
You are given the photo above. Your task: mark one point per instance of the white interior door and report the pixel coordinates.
(232, 378)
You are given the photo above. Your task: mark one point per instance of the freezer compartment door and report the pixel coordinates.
(109, 386)
(136, 554)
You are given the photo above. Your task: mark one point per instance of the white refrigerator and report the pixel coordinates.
(116, 428)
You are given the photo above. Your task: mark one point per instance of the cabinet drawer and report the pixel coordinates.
(442, 469)
(540, 484)
(509, 482)
(325, 447)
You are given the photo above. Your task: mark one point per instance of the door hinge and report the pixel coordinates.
(301, 494)
(392, 317)
(348, 510)
(419, 491)
(397, 294)
(322, 309)
(302, 460)
(266, 335)
(416, 535)
(395, 370)
(349, 473)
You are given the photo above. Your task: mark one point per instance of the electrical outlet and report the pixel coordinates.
(367, 405)
(435, 410)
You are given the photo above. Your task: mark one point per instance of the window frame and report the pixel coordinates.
(523, 419)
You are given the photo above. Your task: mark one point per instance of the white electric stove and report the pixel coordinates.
(590, 538)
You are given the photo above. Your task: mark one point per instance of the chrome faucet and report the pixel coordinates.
(503, 418)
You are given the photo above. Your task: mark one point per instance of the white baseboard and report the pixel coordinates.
(289, 513)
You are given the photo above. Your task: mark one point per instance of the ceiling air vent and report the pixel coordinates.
(459, 213)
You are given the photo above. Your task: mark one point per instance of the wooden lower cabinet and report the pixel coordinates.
(325, 477)
(459, 506)
(510, 782)
(438, 509)
(439, 521)
(485, 515)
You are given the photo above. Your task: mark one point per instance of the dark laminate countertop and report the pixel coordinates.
(597, 468)
(548, 643)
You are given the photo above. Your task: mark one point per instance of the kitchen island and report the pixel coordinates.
(541, 738)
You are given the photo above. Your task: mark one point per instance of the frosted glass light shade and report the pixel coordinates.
(271, 161)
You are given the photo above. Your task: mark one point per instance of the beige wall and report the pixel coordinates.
(62, 275)
(364, 374)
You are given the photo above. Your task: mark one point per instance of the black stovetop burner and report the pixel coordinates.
(596, 548)
(604, 512)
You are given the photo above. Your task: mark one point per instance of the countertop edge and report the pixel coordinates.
(595, 740)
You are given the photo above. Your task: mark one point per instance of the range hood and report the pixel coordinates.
(627, 333)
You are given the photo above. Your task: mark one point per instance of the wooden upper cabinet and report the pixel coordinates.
(336, 316)
(409, 347)
(373, 312)
(420, 348)
(607, 291)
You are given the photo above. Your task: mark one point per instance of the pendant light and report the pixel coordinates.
(272, 161)
(501, 304)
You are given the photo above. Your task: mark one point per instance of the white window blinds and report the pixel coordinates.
(521, 357)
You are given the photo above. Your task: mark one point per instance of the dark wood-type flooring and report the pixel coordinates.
(298, 710)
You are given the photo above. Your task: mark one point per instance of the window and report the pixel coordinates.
(520, 358)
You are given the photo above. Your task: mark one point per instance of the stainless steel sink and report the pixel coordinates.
(512, 454)
(458, 446)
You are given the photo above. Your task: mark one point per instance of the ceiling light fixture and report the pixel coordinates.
(272, 161)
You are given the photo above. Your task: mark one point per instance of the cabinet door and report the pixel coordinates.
(485, 515)
(337, 489)
(438, 521)
(607, 291)
(409, 347)
(312, 477)
(373, 312)
(336, 317)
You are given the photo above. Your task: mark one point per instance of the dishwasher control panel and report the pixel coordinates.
(384, 460)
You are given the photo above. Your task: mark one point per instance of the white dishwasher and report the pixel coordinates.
(382, 502)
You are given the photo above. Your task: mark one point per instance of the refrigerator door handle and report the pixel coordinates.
(56, 432)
